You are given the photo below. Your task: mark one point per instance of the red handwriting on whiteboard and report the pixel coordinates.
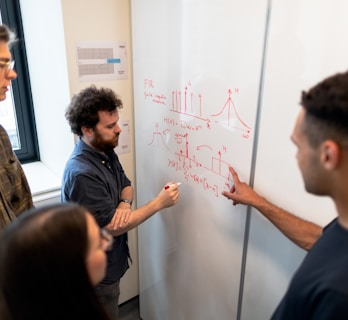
(189, 103)
(183, 123)
(230, 117)
(158, 98)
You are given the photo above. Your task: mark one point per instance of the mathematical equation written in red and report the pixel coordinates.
(183, 124)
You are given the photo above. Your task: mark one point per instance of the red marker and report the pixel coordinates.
(168, 185)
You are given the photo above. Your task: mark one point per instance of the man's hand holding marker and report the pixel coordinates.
(175, 183)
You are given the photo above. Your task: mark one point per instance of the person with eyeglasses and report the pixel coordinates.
(51, 258)
(15, 194)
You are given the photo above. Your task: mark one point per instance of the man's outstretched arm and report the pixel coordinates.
(301, 232)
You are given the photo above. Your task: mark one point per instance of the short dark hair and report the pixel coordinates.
(83, 108)
(326, 106)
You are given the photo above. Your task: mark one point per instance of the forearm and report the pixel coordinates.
(301, 232)
(136, 217)
(166, 198)
(127, 193)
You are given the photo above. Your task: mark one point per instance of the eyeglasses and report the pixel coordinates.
(109, 239)
(7, 66)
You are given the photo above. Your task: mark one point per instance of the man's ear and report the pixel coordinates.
(87, 131)
(330, 154)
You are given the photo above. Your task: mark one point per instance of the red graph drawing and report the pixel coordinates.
(188, 103)
(158, 140)
(216, 164)
(229, 116)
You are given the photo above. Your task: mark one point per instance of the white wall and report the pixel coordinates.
(51, 30)
(105, 21)
(43, 30)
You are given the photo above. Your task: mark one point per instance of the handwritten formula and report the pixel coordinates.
(182, 129)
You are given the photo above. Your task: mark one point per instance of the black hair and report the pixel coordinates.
(326, 106)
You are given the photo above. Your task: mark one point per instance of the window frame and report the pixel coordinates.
(21, 88)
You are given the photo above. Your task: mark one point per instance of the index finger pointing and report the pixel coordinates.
(234, 175)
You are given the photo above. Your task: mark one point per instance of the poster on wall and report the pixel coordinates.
(124, 138)
(99, 61)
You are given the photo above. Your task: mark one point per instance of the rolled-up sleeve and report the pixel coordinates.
(92, 193)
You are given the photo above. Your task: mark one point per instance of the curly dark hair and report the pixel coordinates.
(84, 106)
(326, 106)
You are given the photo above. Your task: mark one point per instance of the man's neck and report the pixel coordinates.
(88, 143)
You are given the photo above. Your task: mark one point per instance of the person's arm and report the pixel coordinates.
(301, 232)
(166, 198)
(127, 194)
(124, 208)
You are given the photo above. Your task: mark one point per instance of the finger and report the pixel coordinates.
(169, 184)
(117, 216)
(113, 220)
(227, 194)
(224, 193)
(234, 175)
(127, 215)
(123, 216)
(174, 188)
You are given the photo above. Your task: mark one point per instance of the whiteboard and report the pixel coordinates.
(201, 102)
(306, 43)
(197, 67)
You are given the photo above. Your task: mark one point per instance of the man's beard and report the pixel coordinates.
(103, 145)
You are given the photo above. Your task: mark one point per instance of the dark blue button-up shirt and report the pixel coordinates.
(95, 180)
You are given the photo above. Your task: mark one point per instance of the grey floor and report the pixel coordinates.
(129, 310)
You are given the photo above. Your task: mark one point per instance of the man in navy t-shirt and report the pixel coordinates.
(319, 288)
